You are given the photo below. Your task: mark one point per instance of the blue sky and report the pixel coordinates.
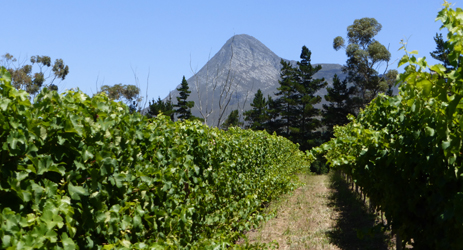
(105, 42)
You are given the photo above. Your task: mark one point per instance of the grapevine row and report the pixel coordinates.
(84, 172)
(405, 151)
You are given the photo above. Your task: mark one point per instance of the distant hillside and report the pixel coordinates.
(243, 65)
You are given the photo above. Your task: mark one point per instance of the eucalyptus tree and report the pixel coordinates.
(128, 93)
(23, 77)
(365, 55)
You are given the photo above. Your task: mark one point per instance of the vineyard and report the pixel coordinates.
(84, 172)
(81, 172)
(405, 152)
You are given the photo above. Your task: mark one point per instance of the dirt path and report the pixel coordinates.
(323, 214)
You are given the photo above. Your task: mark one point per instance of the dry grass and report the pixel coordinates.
(303, 218)
(323, 214)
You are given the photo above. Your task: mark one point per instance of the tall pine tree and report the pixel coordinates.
(307, 87)
(271, 124)
(287, 100)
(442, 54)
(183, 107)
(296, 99)
(340, 104)
(256, 116)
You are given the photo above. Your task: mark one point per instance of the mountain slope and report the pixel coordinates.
(230, 79)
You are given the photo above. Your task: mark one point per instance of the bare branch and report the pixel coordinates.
(147, 84)
(138, 99)
(96, 83)
(204, 113)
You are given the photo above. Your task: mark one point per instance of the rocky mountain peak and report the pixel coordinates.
(246, 47)
(233, 75)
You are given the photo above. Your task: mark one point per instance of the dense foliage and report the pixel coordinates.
(293, 113)
(340, 105)
(81, 172)
(405, 152)
(165, 107)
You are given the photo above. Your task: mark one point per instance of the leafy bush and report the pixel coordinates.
(81, 172)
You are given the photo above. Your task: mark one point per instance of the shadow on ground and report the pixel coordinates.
(354, 220)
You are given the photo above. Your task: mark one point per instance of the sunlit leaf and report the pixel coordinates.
(426, 86)
(76, 191)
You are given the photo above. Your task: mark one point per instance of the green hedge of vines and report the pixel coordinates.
(84, 173)
(406, 151)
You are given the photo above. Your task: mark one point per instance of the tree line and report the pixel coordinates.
(294, 112)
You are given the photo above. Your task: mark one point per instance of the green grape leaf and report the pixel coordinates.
(68, 243)
(425, 86)
(76, 191)
(438, 68)
(4, 102)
